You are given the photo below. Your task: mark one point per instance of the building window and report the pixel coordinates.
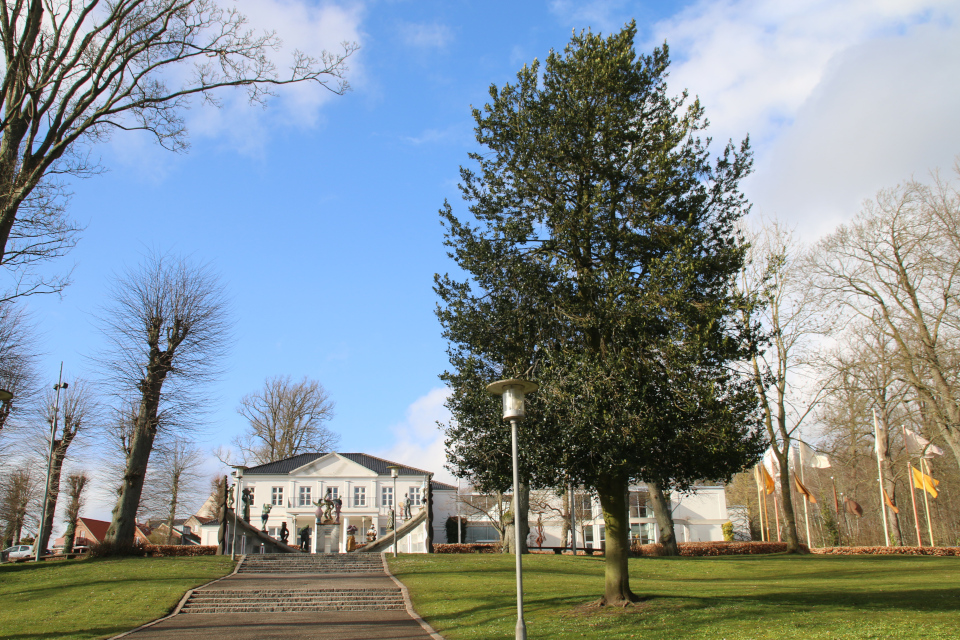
(603, 538)
(584, 504)
(588, 537)
(276, 497)
(482, 533)
(386, 496)
(415, 498)
(334, 492)
(273, 532)
(359, 496)
(305, 497)
(640, 506)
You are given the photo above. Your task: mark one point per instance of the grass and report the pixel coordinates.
(96, 598)
(732, 597)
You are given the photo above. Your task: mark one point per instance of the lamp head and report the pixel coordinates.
(394, 470)
(513, 392)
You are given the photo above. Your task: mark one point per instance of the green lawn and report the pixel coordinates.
(96, 598)
(473, 596)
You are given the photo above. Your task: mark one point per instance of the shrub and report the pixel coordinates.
(727, 528)
(110, 549)
(699, 549)
(450, 526)
(466, 548)
(178, 550)
(888, 551)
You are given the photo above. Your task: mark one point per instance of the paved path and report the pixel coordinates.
(293, 625)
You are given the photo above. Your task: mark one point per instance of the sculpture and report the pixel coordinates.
(407, 502)
(371, 533)
(247, 498)
(264, 515)
(305, 538)
(284, 533)
(390, 522)
(338, 504)
(324, 507)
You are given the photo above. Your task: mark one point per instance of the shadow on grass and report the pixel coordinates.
(87, 632)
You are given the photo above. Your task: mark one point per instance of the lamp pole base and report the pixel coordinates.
(521, 630)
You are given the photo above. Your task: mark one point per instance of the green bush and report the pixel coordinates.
(727, 529)
(111, 549)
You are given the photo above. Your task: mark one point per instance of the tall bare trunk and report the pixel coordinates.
(59, 451)
(664, 516)
(522, 519)
(617, 542)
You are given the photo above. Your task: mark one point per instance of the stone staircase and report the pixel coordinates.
(273, 599)
(293, 600)
(312, 563)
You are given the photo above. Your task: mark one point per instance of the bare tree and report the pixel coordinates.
(76, 71)
(897, 267)
(492, 506)
(789, 312)
(286, 418)
(167, 329)
(19, 494)
(77, 410)
(76, 483)
(174, 470)
(17, 360)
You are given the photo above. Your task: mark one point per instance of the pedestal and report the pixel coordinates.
(328, 538)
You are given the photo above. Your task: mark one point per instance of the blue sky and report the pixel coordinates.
(321, 211)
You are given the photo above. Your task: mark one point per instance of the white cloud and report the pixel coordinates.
(598, 15)
(418, 441)
(839, 98)
(425, 35)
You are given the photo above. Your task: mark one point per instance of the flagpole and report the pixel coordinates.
(756, 477)
(913, 493)
(883, 504)
(836, 510)
(926, 501)
(806, 513)
(776, 513)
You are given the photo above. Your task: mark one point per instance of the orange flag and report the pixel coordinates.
(925, 482)
(804, 491)
(886, 498)
(767, 480)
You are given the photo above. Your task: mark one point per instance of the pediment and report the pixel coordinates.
(333, 465)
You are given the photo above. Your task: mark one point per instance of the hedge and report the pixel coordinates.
(171, 550)
(888, 551)
(466, 548)
(696, 549)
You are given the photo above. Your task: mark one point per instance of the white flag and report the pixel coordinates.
(772, 464)
(918, 445)
(813, 459)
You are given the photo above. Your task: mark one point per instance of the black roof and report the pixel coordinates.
(375, 464)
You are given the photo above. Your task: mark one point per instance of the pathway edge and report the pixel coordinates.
(407, 602)
(180, 604)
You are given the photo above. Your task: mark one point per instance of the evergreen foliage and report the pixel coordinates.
(600, 263)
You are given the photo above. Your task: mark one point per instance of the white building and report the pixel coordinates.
(362, 482)
(369, 493)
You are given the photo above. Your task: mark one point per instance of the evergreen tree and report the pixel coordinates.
(601, 261)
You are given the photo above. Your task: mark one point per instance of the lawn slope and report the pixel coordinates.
(733, 597)
(96, 598)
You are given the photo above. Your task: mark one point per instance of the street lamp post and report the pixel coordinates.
(238, 474)
(394, 472)
(46, 492)
(512, 391)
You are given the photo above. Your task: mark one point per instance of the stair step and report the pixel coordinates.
(291, 609)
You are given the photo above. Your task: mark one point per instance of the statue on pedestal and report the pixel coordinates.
(305, 538)
(324, 508)
(246, 497)
(264, 515)
(337, 505)
(284, 533)
(407, 502)
(372, 533)
(392, 517)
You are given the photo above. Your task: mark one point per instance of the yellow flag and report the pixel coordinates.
(767, 480)
(925, 482)
(804, 491)
(886, 498)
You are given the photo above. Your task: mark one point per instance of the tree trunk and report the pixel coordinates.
(171, 516)
(617, 542)
(509, 539)
(124, 518)
(664, 516)
(59, 451)
(786, 503)
(565, 517)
